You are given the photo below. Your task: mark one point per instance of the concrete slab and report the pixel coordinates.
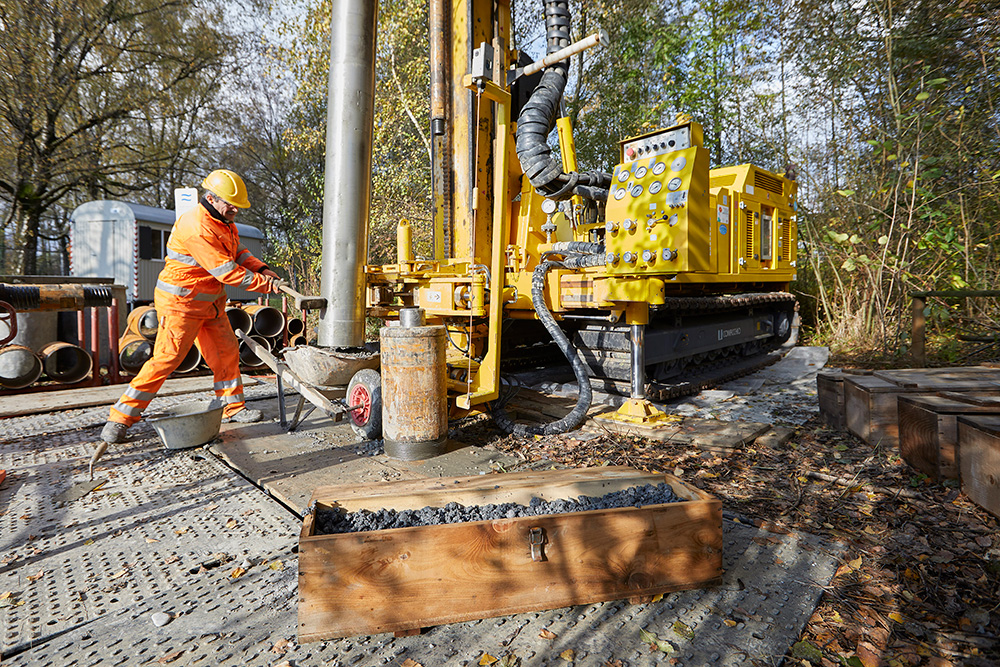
(468, 460)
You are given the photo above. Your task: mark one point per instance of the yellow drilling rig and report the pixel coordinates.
(652, 278)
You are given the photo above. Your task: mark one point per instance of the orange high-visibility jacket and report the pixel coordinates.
(203, 253)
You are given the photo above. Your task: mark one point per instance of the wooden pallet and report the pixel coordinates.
(928, 429)
(404, 579)
(870, 400)
(979, 455)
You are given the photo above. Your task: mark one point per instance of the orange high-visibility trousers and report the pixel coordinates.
(174, 339)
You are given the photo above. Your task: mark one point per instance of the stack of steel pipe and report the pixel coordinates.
(136, 344)
(268, 326)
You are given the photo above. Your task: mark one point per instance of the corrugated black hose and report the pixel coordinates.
(538, 116)
(579, 412)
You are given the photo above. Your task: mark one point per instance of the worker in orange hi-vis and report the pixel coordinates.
(203, 254)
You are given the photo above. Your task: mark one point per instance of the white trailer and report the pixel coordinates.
(128, 242)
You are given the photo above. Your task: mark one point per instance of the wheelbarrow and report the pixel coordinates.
(337, 383)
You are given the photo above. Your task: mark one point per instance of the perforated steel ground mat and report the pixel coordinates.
(180, 533)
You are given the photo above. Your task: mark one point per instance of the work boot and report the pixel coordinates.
(114, 432)
(245, 416)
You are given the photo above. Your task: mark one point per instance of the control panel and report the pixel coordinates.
(661, 142)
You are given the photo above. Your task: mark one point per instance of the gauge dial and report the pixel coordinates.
(640, 172)
(549, 206)
(654, 187)
(673, 184)
(623, 175)
(620, 193)
(636, 190)
(659, 168)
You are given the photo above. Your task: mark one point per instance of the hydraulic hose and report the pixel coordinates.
(538, 117)
(583, 401)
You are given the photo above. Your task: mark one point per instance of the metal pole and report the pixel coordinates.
(95, 344)
(638, 340)
(347, 179)
(917, 332)
(440, 52)
(113, 343)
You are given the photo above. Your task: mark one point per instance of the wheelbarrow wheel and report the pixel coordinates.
(365, 389)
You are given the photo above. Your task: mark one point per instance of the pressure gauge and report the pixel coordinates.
(640, 172)
(549, 206)
(673, 184)
(678, 164)
(620, 194)
(636, 190)
(623, 175)
(654, 187)
(659, 168)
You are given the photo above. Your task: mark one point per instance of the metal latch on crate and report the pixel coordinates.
(536, 538)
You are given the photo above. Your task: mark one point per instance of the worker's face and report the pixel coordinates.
(225, 209)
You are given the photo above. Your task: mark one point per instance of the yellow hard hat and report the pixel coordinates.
(229, 186)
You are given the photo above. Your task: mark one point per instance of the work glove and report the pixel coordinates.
(277, 283)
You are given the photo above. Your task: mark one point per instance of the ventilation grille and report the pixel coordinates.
(748, 218)
(785, 251)
(769, 183)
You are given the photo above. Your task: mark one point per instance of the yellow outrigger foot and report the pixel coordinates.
(640, 411)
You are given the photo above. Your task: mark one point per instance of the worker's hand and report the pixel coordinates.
(277, 283)
(270, 274)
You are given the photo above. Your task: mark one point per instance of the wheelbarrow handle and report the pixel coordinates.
(304, 302)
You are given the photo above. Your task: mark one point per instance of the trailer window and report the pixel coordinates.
(152, 243)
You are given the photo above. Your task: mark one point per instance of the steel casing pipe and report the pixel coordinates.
(143, 321)
(247, 356)
(135, 351)
(295, 326)
(267, 321)
(65, 363)
(239, 319)
(347, 178)
(414, 391)
(19, 367)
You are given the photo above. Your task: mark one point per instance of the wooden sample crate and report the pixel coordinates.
(979, 455)
(928, 429)
(403, 579)
(830, 391)
(870, 400)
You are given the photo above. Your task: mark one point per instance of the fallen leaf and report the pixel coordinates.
(657, 598)
(150, 540)
(729, 622)
(280, 646)
(232, 523)
(807, 651)
(616, 663)
(36, 577)
(120, 573)
(410, 662)
(181, 531)
(568, 655)
(170, 657)
(171, 559)
(276, 565)
(6, 595)
(984, 541)
(248, 512)
(509, 660)
(547, 634)
(683, 630)
(212, 507)
(896, 616)
(856, 563)
(487, 659)
(655, 643)
(237, 573)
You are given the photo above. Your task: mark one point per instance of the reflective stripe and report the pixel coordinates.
(247, 277)
(228, 384)
(242, 258)
(183, 259)
(172, 289)
(201, 296)
(234, 398)
(127, 409)
(139, 395)
(223, 269)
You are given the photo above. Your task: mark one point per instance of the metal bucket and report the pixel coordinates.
(189, 424)
(414, 392)
(19, 367)
(143, 321)
(267, 321)
(65, 363)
